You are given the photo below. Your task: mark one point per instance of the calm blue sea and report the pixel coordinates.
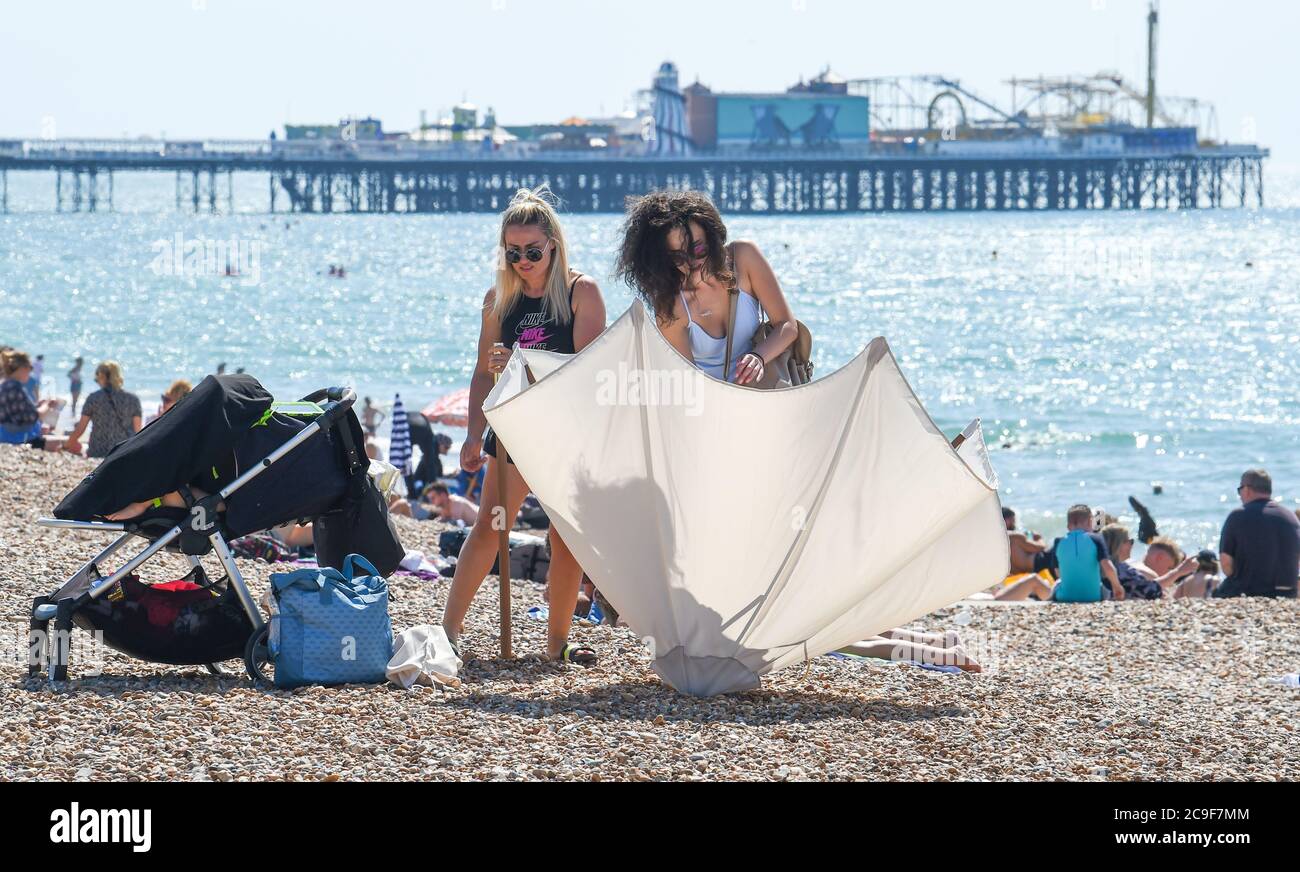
(1106, 352)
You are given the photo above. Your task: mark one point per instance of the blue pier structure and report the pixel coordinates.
(385, 177)
(920, 144)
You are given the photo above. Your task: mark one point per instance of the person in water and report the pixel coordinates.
(676, 258)
(537, 301)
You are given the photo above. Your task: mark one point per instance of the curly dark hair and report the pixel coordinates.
(644, 261)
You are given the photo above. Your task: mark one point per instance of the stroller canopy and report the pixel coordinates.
(181, 447)
(737, 530)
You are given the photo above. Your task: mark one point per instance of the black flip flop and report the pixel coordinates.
(579, 654)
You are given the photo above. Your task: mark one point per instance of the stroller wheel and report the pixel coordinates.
(257, 657)
(216, 669)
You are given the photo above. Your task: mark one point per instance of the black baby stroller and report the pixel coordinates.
(242, 464)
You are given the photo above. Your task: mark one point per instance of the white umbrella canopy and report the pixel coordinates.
(739, 531)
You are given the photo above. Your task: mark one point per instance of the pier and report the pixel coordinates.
(390, 178)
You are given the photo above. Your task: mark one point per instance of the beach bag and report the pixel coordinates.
(330, 627)
(451, 541)
(530, 556)
(793, 366)
(360, 526)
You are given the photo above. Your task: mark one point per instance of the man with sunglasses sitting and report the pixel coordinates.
(1259, 548)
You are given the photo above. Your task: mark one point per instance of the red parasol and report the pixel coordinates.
(451, 410)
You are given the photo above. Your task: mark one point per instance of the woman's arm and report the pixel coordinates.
(82, 424)
(1112, 578)
(753, 271)
(1177, 574)
(588, 312)
(480, 384)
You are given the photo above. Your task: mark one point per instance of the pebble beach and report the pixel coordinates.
(1115, 691)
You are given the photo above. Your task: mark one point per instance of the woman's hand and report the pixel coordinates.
(471, 455)
(749, 369)
(72, 445)
(497, 359)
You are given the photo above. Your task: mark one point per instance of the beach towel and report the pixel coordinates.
(739, 531)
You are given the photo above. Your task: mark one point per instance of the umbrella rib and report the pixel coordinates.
(787, 567)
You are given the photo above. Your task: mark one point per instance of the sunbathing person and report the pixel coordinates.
(1029, 553)
(1160, 570)
(936, 649)
(451, 507)
(1119, 542)
(1202, 583)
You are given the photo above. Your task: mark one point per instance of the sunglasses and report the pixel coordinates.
(698, 252)
(534, 253)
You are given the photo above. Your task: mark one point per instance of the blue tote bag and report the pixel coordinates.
(331, 627)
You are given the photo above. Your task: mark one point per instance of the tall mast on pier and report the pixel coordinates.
(1152, 21)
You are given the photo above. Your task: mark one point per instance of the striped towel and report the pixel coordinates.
(399, 440)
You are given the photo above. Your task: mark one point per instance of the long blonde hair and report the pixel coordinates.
(533, 207)
(111, 371)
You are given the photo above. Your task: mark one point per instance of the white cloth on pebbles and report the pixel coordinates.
(423, 655)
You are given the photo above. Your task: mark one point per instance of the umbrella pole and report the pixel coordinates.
(503, 547)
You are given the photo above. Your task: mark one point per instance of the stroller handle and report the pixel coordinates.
(337, 401)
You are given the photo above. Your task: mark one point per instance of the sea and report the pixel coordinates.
(1109, 354)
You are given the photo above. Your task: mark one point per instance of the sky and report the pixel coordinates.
(235, 69)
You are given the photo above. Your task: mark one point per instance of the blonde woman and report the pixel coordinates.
(112, 414)
(179, 390)
(537, 301)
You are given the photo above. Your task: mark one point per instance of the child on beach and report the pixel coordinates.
(537, 300)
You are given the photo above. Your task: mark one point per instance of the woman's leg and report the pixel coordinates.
(1023, 589)
(941, 640)
(893, 649)
(563, 579)
(480, 547)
